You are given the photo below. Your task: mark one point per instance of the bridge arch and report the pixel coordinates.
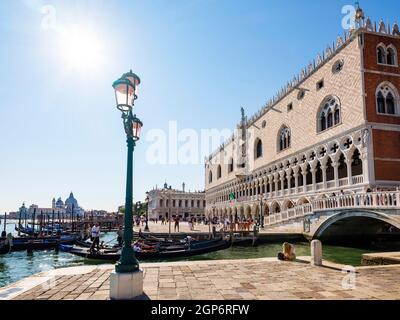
(351, 224)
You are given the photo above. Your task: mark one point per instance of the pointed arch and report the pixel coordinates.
(210, 177)
(387, 99)
(275, 208)
(284, 138)
(258, 149)
(219, 172)
(391, 55)
(329, 113)
(381, 53)
(356, 164)
(230, 165)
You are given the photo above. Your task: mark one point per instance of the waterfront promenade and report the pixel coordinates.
(255, 279)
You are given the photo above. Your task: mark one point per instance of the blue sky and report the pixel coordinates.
(199, 61)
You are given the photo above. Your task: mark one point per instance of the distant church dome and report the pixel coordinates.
(71, 201)
(59, 203)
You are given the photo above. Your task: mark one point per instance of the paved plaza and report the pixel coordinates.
(256, 279)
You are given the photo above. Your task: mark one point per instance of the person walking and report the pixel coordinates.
(120, 235)
(95, 237)
(176, 223)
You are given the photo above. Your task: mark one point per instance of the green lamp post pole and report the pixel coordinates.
(125, 93)
(146, 228)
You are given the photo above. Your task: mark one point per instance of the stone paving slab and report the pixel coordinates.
(254, 279)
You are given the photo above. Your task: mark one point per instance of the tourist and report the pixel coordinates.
(137, 247)
(190, 223)
(226, 224)
(176, 227)
(95, 237)
(120, 234)
(288, 253)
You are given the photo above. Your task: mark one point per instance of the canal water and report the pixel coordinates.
(18, 265)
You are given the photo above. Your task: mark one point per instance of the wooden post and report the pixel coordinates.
(52, 223)
(33, 221)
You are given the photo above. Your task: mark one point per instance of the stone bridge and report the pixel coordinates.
(345, 216)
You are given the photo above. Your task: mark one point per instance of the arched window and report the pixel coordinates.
(381, 53)
(318, 173)
(329, 115)
(259, 149)
(284, 138)
(387, 99)
(330, 172)
(210, 177)
(230, 166)
(342, 167)
(356, 164)
(308, 175)
(322, 121)
(391, 58)
(219, 172)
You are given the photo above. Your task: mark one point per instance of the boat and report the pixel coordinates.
(194, 249)
(35, 243)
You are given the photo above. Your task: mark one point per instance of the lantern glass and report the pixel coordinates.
(136, 129)
(124, 94)
(134, 80)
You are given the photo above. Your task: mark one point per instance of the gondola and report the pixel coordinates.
(202, 247)
(35, 243)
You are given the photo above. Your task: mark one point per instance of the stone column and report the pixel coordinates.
(325, 184)
(296, 179)
(288, 178)
(270, 181)
(335, 166)
(276, 180)
(282, 176)
(304, 182)
(314, 178)
(265, 186)
(349, 173)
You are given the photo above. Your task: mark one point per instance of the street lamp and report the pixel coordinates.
(262, 213)
(125, 94)
(146, 228)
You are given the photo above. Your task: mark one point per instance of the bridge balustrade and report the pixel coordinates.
(375, 200)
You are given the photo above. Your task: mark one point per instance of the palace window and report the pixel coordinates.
(387, 55)
(391, 58)
(210, 177)
(381, 54)
(259, 149)
(230, 166)
(284, 138)
(320, 85)
(329, 115)
(387, 99)
(301, 94)
(290, 107)
(219, 172)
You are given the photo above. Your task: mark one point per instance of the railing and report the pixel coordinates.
(358, 179)
(375, 200)
(343, 182)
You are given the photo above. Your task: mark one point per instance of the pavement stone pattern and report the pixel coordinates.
(255, 279)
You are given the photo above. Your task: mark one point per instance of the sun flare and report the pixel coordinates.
(81, 49)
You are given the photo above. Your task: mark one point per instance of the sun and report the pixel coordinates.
(81, 49)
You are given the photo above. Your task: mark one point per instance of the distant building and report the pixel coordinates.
(59, 207)
(176, 202)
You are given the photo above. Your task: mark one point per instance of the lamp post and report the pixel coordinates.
(261, 213)
(146, 228)
(125, 94)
